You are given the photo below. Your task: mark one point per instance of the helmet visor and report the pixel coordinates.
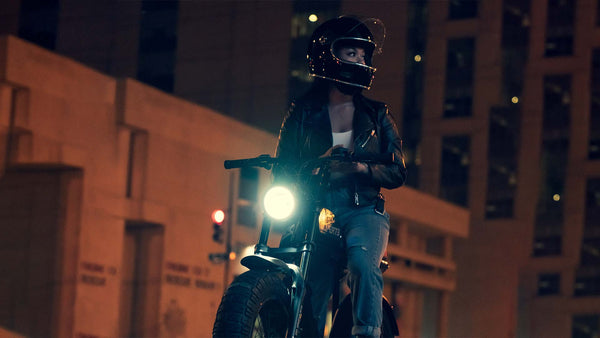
(353, 50)
(360, 42)
(377, 29)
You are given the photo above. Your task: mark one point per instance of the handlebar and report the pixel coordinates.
(266, 161)
(263, 161)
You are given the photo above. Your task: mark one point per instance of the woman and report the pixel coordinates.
(332, 115)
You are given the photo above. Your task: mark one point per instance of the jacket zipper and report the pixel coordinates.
(356, 202)
(368, 138)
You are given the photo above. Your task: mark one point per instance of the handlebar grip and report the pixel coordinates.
(231, 164)
(263, 161)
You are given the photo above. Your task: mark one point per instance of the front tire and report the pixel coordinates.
(256, 304)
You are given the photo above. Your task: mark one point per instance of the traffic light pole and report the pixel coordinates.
(228, 223)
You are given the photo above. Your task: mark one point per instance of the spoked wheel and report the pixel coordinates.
(255, 305)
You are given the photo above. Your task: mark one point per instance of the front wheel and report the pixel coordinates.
(256, 304)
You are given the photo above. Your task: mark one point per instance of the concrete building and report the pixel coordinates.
(510, 129)
(231, 56)
(106, 191)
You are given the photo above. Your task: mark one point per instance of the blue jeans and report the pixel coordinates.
(366, 235)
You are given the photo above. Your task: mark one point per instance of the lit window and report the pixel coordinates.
(548, 284)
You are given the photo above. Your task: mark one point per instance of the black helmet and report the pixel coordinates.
(344, 31)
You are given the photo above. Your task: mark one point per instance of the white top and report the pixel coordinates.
(345, 139)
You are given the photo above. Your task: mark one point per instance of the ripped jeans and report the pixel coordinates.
(366, 235)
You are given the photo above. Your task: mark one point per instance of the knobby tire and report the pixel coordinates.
(256, 304)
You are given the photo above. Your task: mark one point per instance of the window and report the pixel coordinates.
(516, 21)
(462, 9)
(597, 13)
(502, 160)
(588, 274)
(38, 22)
(549, 218)
(554, 156)
(158, 42)
(559, 28)
(585, 326)
(587, 282)
(460, 63)
(455, 169)
(416, 40)
(504, 119)
(590, 249)
(594, 141)
(557, 105)
(247, 197)
(548, 284)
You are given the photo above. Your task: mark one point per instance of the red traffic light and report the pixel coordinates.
(218, 216)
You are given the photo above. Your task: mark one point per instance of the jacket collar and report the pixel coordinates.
(364, 116)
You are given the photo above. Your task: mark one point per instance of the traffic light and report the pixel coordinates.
(218, 216)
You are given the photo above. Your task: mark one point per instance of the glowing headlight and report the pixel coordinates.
(279, 202)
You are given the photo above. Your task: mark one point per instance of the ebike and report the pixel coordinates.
(269, 299)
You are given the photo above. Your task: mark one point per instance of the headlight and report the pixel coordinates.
(279, 202)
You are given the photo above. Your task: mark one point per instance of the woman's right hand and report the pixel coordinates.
(331, 150)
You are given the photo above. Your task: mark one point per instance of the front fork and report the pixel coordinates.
(298, 293)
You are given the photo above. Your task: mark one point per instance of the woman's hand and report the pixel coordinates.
(341, 169)
(331, 150)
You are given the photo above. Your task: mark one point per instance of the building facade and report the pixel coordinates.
(510, 130)
(231, 56)
(107, 189)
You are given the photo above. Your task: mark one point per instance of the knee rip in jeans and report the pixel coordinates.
(361, 247)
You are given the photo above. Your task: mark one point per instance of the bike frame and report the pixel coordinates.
(267, 258)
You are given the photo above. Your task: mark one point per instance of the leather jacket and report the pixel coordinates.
(306, 134)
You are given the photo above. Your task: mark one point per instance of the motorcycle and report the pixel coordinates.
(270, 299)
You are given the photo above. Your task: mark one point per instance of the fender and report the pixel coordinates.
(342, 322)
(262, 262)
